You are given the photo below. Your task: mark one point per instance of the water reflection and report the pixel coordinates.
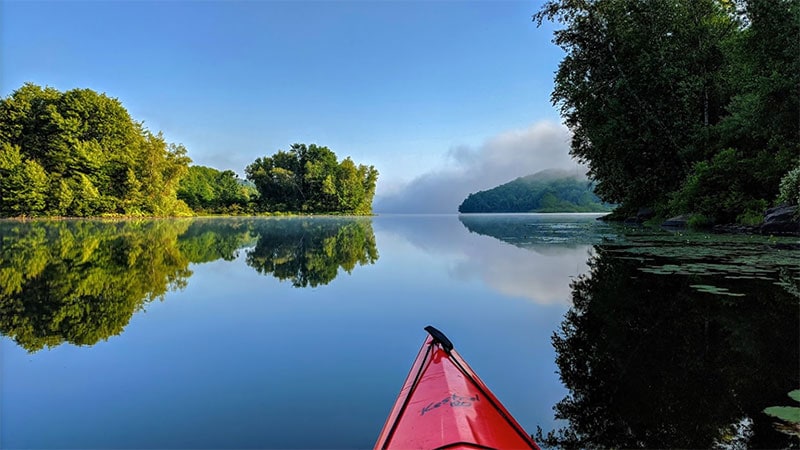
(309, 252)
(82, 281)
(548, 251)
(540, 274)
(651, 362)
(208, 240)
(542, 232)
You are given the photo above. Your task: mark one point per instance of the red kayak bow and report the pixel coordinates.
(443, 404)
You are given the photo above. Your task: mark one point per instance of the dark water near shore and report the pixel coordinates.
(298, 332)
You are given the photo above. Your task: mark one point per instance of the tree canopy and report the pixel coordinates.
(308, 178)
(79, 153)
(210, 190)
(686, 106)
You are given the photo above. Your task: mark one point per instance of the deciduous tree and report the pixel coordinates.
(309, 179)
(82, 153)
(668, 99)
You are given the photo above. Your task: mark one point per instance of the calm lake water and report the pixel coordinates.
(298, 332)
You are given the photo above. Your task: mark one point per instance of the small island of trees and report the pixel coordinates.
(309, 178)
(79, 153)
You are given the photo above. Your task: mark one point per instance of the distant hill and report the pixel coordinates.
(545, 191)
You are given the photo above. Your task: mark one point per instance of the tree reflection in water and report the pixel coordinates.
(650, 362)
(82, 281)
(309, 252)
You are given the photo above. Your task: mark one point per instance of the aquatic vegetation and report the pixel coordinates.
(725, 258)
(789, 415)
(715, 290)
(709, 351)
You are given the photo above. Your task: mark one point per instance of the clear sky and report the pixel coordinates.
(422, 90)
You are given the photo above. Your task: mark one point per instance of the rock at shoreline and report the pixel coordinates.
(643, 215)
(677, 221)
(733, 228)
(781, 220)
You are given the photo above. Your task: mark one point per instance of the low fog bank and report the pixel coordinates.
(502, 158)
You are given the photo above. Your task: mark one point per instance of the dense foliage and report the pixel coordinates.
(79, 153)
(686, 106)
(310, 179)
(535, 193)
(206, 189)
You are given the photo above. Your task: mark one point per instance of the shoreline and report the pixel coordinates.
(782, 220)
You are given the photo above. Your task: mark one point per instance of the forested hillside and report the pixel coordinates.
(685, 107)
(546, 191)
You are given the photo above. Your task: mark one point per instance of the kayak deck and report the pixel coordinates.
(443, 404)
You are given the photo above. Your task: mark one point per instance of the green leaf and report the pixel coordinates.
(787, 413)
(795, 395)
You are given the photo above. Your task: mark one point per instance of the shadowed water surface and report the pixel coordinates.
(298, 332)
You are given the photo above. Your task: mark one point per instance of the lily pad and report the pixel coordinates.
(787, 413)
(715, 290)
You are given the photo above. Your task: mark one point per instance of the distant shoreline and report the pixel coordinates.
(199, 216)
(584, 213)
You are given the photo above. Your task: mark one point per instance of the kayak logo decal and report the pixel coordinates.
(453, 400)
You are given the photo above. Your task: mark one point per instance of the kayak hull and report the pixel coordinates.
(444, 404)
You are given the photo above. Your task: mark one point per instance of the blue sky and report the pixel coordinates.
(419, 89)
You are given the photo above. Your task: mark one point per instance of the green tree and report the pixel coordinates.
(790, 187)
(348, 186)
(318, 168)
(96, 159)
(758, 139)
(638, 87)
(232, 192)
(85, 197)
(23, 183)
(197, 189)
(211, 190)
(309, 179)
(274, 177)
(666, 99)
(369, 180)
